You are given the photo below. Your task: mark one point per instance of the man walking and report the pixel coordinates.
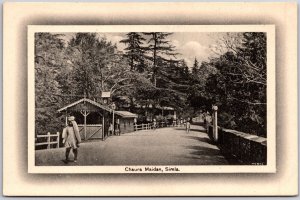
(154, 124)
(71, 138)
(188, 125)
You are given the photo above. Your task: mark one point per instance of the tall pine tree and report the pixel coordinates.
(195, 68)
(135, 51)
(161, 49)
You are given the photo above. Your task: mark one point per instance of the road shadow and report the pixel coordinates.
(200, 150)
(200, 139)
(197, 130)
(204, 156)
(208, 154)
(179, 128)
(192, 129)
(205, 160)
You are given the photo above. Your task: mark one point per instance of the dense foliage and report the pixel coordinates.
(148, 73)
(236, 82)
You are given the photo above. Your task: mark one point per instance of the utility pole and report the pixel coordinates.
(215, 123)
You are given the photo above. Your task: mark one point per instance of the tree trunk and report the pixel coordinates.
(132, 67)
(154, 60)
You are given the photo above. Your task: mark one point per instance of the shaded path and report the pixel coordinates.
(166, 146)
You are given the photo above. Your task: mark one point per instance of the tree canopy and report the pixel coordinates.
(148, 72)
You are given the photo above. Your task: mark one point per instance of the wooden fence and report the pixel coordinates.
(149, 126)
(246, 148)
(51, 139)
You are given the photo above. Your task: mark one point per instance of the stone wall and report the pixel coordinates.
(246, 148)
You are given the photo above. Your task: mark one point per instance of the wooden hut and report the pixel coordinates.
(125, 121)
(94, 119)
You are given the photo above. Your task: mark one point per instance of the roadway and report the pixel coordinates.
(165, 146)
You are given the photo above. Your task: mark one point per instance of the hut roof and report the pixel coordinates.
(88, 101)
(126, 114)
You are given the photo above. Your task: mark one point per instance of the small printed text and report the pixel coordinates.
(152, 169)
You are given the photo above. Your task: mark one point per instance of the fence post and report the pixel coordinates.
(57, 140)
(215, 123)
(48, 140)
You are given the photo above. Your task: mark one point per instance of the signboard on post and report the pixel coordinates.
(105, 97)
(105, 94)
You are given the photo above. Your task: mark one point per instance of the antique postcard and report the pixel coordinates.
(149, 99)
(126, 100)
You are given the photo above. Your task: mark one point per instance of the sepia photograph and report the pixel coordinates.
(159, 99)
(151, 101)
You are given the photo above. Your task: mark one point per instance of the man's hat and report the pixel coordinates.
(71, 118)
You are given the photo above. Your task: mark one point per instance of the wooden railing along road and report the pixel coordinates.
(149, 126)
(51, 140)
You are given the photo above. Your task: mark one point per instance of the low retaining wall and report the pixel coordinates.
(246, 148)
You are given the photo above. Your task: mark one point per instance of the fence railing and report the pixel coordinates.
(149, 126)
(246, 148)
(51, 139)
